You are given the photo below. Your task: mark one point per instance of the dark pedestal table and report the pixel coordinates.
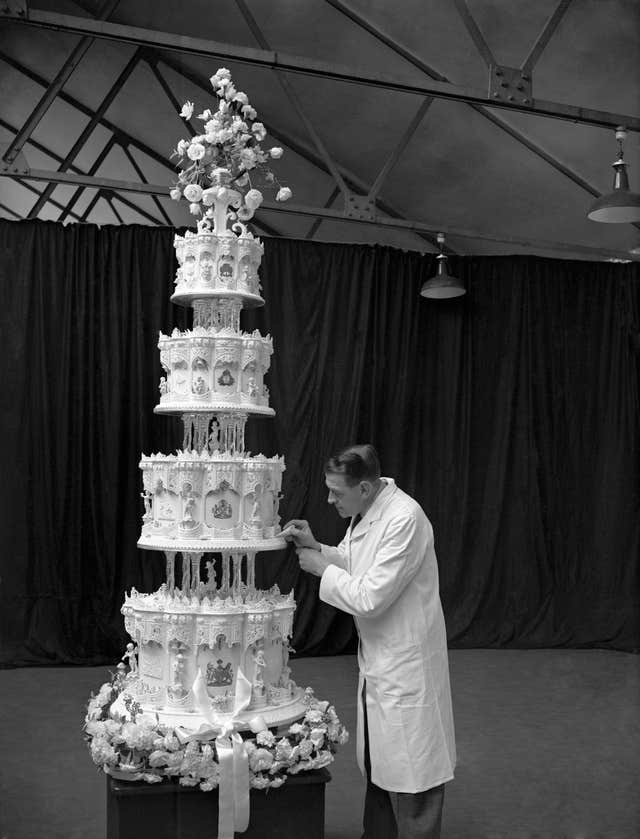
(169, 811)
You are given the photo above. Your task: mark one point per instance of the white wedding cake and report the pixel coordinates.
(208, 625)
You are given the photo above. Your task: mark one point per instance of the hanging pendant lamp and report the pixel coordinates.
(620, 205)
(443, 285)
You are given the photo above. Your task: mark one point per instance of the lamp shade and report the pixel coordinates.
(443, 285)
(620, 205)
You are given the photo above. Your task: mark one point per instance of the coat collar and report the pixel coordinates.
(375, 510)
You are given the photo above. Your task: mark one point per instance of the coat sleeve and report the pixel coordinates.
(336, 554)
(396, 561)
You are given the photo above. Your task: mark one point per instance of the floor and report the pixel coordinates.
(548, 748)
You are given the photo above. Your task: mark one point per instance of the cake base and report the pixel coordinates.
(273, 716)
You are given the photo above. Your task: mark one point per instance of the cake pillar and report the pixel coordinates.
(237, 573)
(226, 575)
(195, 571)
(186, 572)
(251, 572)
(170, 572)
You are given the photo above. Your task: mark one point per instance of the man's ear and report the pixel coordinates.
(365, 487)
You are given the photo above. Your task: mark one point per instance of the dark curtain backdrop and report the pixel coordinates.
(510, 414)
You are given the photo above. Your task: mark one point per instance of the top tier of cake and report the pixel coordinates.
(215, 265)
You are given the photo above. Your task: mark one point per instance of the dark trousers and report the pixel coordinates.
(399, 815)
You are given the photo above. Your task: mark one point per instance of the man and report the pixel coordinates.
(384, 573)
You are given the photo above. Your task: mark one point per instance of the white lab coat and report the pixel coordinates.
(385, 575)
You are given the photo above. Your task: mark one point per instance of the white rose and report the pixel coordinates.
(183, 145)
(317, 737)
(276, 152)
(248, 112)
(193, 193)
(241, 97)
(196, 151)
(323, 759)
(253, 199)
(260, 760)
(265, 738)
(194, 209)
(284, 749)
(175, 194)
(259, 130)
(187, 110)
(283, 194)
(205, 115)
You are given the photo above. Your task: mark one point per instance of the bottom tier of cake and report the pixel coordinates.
(211, 651)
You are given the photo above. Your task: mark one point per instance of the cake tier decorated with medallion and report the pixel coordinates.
(209, 636)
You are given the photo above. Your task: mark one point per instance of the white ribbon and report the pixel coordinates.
(233, 790)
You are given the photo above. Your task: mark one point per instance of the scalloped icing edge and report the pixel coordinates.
(213, 545)
(212, 407)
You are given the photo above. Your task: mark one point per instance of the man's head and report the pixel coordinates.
(353, 478)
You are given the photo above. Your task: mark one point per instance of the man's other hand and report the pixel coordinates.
(311, 561)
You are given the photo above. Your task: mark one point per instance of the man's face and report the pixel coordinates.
(348, 500)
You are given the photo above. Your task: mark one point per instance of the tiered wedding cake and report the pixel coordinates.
(213, 498)
(207, 695)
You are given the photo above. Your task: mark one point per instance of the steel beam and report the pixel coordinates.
(107, 184)
(89, 128)
(52, 201)
(11, 212)
(91, 205)
(109, 200)
(144, 180)
(485, 112)
(77, 54)
(97, 163)
(317, 222)
(66, 209)
(474, 31)
(88, 112)
(152, 61)
(404, 141)
(544, 37)
(464, 233)
(292, 96)
(298, 64)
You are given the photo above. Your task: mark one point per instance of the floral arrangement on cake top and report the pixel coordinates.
(230, 141)
(135, 747)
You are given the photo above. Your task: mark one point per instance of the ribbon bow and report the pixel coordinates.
(233, 790)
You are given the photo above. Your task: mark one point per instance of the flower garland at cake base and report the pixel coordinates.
(138, 748)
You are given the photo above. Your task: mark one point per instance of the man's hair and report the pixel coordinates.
(356, 463)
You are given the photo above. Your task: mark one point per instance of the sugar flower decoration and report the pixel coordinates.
(187, 110)
(228, 139)
(135, 746)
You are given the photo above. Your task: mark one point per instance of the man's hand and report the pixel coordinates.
(299, 532)
(312, 561)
